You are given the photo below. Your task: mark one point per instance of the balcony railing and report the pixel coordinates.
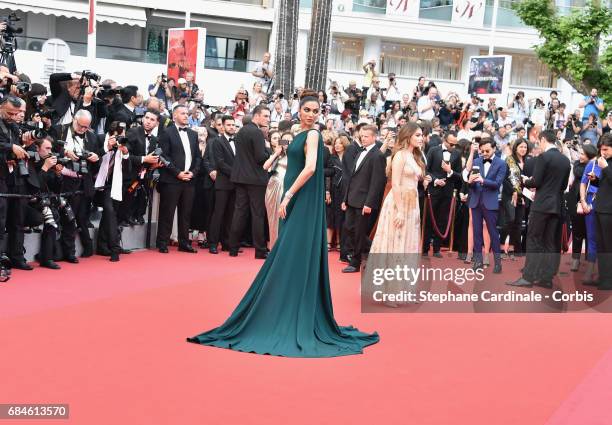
(137, 55)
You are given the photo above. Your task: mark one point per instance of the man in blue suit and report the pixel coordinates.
(485, 180)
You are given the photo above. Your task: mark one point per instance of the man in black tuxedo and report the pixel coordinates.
(363, 196)
(126, 112)
(550, 177)
(250, 180)
(223, 152)
(67, 97)
(81, 144)
(141, 143)
(603, 213)
(444, 167)
(179, 145)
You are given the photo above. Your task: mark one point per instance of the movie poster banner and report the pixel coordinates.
(468, 12)
(186, 53)
(489, 76)
(403, 8)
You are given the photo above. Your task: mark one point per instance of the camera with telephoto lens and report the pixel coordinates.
(8, 41)
(23, 87)
(35, 132)
(163, 161)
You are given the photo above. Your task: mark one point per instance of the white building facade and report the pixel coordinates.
(426, 41)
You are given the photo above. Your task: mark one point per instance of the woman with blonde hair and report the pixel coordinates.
(398, 230)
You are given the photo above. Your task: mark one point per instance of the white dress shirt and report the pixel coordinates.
(363, 154)
(187, 148)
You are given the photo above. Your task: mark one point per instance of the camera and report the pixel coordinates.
(23, 87)
(34, 132)
(47, 113)
(164, 78)
(295, 95)
(163, 161)
(528, 122)
(441, 103)
(90, 76)
(282, 142)
(106, 91)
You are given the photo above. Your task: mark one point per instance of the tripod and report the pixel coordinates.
(8, 45)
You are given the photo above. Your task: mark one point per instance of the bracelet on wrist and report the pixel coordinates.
(288, 195)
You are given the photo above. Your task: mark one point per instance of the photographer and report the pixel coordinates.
(370, 75)
(492, 110)
(14, 171)
(336, 98)
(161, 90)
(392, 93)
(354, 99)
(519, 106)
(80, 149)
(264, 71)
(592, 105)
(427, 105)
(142, 146)
(8, 82)
(449, 111)
(125, 113)
(110, 183)
(71, 92)
(573, 126)
(46, 183)
(591, 129)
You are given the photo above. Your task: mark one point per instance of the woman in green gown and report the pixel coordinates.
(288, 311)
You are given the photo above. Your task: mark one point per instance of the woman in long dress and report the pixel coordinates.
(277, 165)
(397, 240)
(288, 311)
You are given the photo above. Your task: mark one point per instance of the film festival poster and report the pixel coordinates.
(489, 76)
(186, 50)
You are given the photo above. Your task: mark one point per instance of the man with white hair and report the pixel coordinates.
(82, 148)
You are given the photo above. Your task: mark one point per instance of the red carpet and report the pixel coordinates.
(109, 339)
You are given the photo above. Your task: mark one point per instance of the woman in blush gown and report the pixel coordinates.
(277, 165)
(288, 311)
(398, 235)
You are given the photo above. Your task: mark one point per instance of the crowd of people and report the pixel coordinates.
(407, 171)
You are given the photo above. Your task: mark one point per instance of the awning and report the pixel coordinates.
(117, 14)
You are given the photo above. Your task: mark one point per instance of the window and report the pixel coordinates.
(528, 71)
(409, 60)
(441, 10)
(226, 53)
(346, 54)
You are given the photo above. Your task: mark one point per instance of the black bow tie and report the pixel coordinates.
(362, 149)
(484, 161)
(231, 139)
(183, 129)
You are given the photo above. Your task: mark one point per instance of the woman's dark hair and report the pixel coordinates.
(308, 95)
(324, 95)
(515, 146)
(464, 147)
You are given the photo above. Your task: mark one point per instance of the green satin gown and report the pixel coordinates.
(288, 310)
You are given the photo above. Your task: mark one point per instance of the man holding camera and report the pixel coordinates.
(592, 105)
(427, 106)
(392, 93)
(264, 71)
(142, 145)
(161, 90)
(14, 171)
(71, 92)
(81, 147)
(126, 112)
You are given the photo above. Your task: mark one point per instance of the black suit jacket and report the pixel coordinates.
(604, 193)
(60, 101)
(136, 145)
(251, 154)
(434, 169)
(208, 163)
(224, 161)
(550, 176)
(93, 145)
(172, 148)
(366, 184)
(122, 114)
